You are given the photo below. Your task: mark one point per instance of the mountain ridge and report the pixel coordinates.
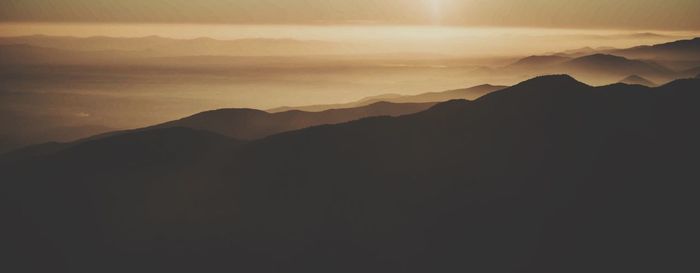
(465, 93)
(242, 124)
(550, 175)
(676, 50)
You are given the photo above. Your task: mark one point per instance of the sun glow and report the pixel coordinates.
(435, 8)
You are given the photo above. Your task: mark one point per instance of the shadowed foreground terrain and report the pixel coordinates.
(550, 175)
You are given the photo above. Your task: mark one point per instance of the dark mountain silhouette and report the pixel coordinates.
(31, 135)
(678, 50)
(550, 175)
(634, 79)
(243, 124)
(431, 97)
(253, 124)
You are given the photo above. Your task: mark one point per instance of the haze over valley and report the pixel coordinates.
(57, 88)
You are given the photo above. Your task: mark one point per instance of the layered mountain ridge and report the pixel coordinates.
(548, 175)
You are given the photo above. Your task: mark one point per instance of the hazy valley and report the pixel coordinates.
(63, 88)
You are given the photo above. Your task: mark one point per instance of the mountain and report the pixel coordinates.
(550, 175)
(605, 67)
(677, 50)
(466, 93)
(605, 63)
(584, 51)
(595, 68)
(254, 124)
(634, 79)
(242, 124)
(31, 135)
(577, 52)
(538, 62)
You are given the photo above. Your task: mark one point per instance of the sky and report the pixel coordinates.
(606, 14)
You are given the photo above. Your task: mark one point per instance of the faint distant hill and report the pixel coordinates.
(11, 54)
(550, 175)
(157, 46)
(538, 62)
(597, 68)
(432, 97)
(615, 65)
(634, 79)
(580, 52)
(681, 50)
(678, 50)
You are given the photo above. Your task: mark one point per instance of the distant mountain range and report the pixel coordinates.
(550, 175)
(539, 62)
(678, 50)
(681, 50)
(247, 124)
(610, 65)
(29, 54)
(466, 93)
(47, 57)
(155, 46)
(597, 68)
(244, 124)
(601, 65)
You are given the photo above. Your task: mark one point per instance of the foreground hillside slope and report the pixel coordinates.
(550, 175)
